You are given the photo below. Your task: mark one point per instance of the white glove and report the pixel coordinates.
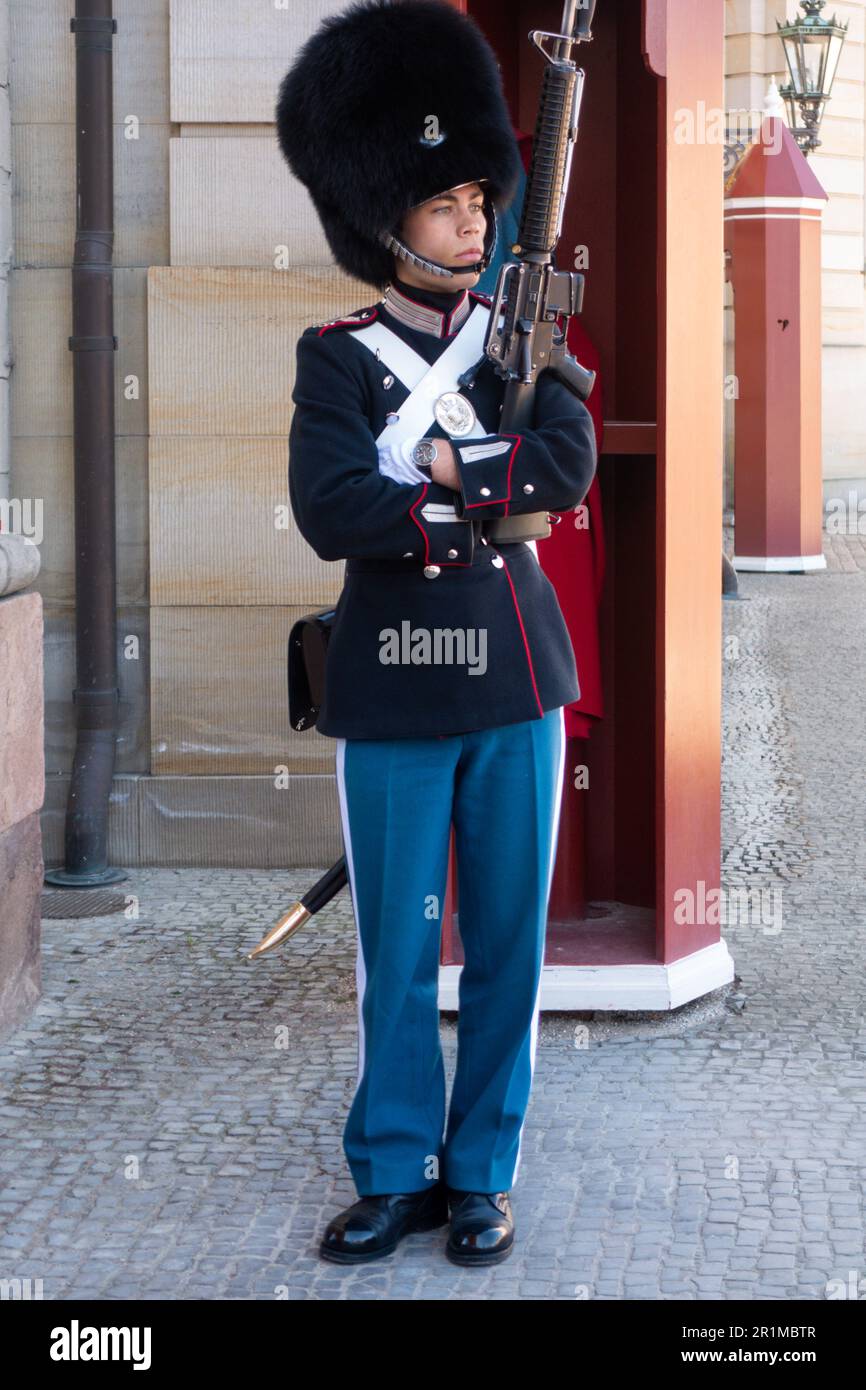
(395, 461)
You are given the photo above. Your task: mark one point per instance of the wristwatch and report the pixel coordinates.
(424, 455)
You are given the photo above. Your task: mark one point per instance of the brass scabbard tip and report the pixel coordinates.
(289, 923)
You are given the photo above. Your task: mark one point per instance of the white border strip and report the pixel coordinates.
(770, 202)
(768, 564)
(772, 217)
(621, 987)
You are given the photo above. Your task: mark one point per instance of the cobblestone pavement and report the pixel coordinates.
(171, 1116)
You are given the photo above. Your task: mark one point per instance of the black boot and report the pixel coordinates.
(372, 1226)
(482, 1227)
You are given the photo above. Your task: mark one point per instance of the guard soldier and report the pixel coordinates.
(449, 661)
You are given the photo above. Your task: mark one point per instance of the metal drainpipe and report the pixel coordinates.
(93, 344)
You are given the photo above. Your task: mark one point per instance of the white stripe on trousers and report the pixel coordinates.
(533, 1039)
(360, 964)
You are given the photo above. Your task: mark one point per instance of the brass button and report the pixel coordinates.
(527, 487)
(498, 561)
(431, 571)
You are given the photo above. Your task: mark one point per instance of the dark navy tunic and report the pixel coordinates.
(437, 630)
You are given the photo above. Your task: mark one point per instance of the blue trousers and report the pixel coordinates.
(501, 787)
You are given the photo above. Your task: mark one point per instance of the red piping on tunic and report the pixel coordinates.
(441, 312)
(458, 305)
(352, 323)
(523, 633)
(418, 523)
(489, 501)
(446, 564)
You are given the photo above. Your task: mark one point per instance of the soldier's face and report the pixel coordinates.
(449, 228)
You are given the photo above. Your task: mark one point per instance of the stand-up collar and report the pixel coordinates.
(437, 314)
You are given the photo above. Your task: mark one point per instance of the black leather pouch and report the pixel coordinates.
(308, 649)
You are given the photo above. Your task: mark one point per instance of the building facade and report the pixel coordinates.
(753, 54)
(219, 263)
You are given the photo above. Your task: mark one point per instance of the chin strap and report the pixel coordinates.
(405, 253)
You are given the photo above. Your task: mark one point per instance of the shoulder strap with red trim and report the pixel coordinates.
(350, 322)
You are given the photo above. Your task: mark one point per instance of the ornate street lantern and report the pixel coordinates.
(812, 47)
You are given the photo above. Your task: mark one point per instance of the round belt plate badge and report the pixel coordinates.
(454, 414)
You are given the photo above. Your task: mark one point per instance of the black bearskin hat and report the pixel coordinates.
(353, 121)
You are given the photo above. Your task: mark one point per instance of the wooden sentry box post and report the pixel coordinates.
(646, 199)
